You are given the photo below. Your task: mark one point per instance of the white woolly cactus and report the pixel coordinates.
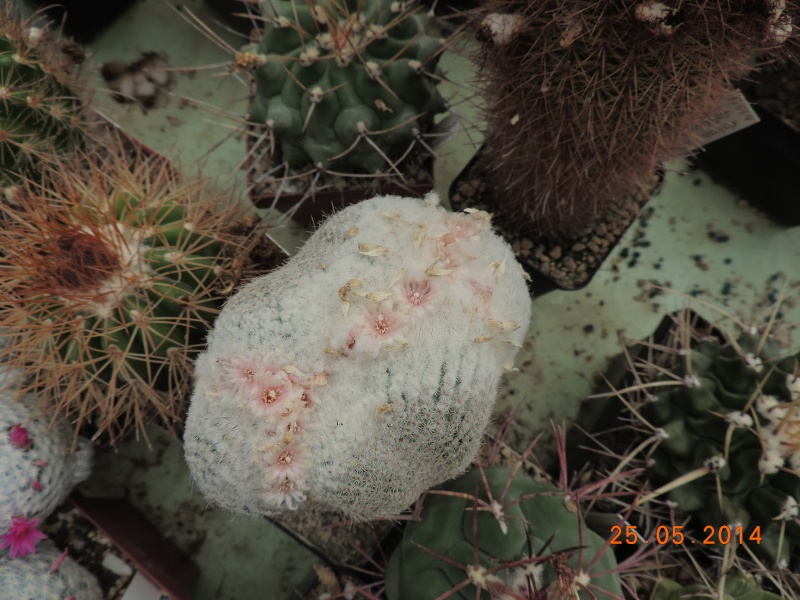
(362, 372)
(47, 575)
(38, 466)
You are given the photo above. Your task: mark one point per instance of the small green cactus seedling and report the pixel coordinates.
(40, 116)
(111, 276)
(346, 84)
(496, 533)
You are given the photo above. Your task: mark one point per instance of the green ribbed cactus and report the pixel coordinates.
(112, 275)
(498, 515)
(346, 84)
(731, 420)
(39, 115)
(737, 586)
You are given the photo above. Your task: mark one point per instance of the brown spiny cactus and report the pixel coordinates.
(585, 98)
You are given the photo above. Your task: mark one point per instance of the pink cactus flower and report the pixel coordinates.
(36, 485)
(242, 373)
(461, 227)
(287, 463)
(21, 537)
(482, 290)
(448, 257)
(274, 396)
(19, 437)
(287, 493)
(378, 329)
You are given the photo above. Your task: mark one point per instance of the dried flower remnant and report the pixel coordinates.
(417, 291)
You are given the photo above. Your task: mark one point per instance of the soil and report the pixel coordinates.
(778, 90)
(344, 543)
(68, 529)
(571, 263)
(267, 178)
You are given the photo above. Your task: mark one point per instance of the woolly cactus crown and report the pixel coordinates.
(362, 372)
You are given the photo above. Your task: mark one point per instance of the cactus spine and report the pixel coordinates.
(346, 83)
(364, 370)
(725, 442)
(731, 412)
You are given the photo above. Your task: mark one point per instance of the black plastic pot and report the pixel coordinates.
(141, 543)
(762, 162)
(82, 19)
(541, 283)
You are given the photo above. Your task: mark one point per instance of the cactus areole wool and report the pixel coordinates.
(363, 371)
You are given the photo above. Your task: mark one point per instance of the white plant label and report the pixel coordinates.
(141, 588)
(734, 115)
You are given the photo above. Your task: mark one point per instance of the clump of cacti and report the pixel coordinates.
(49, 574)
(345, 84)
(585, 99)
(496, 530)
(363, 371)
(113, 269)
(39, 463)
(40, 115)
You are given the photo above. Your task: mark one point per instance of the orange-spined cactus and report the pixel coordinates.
(586, 98)
(110, 277)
